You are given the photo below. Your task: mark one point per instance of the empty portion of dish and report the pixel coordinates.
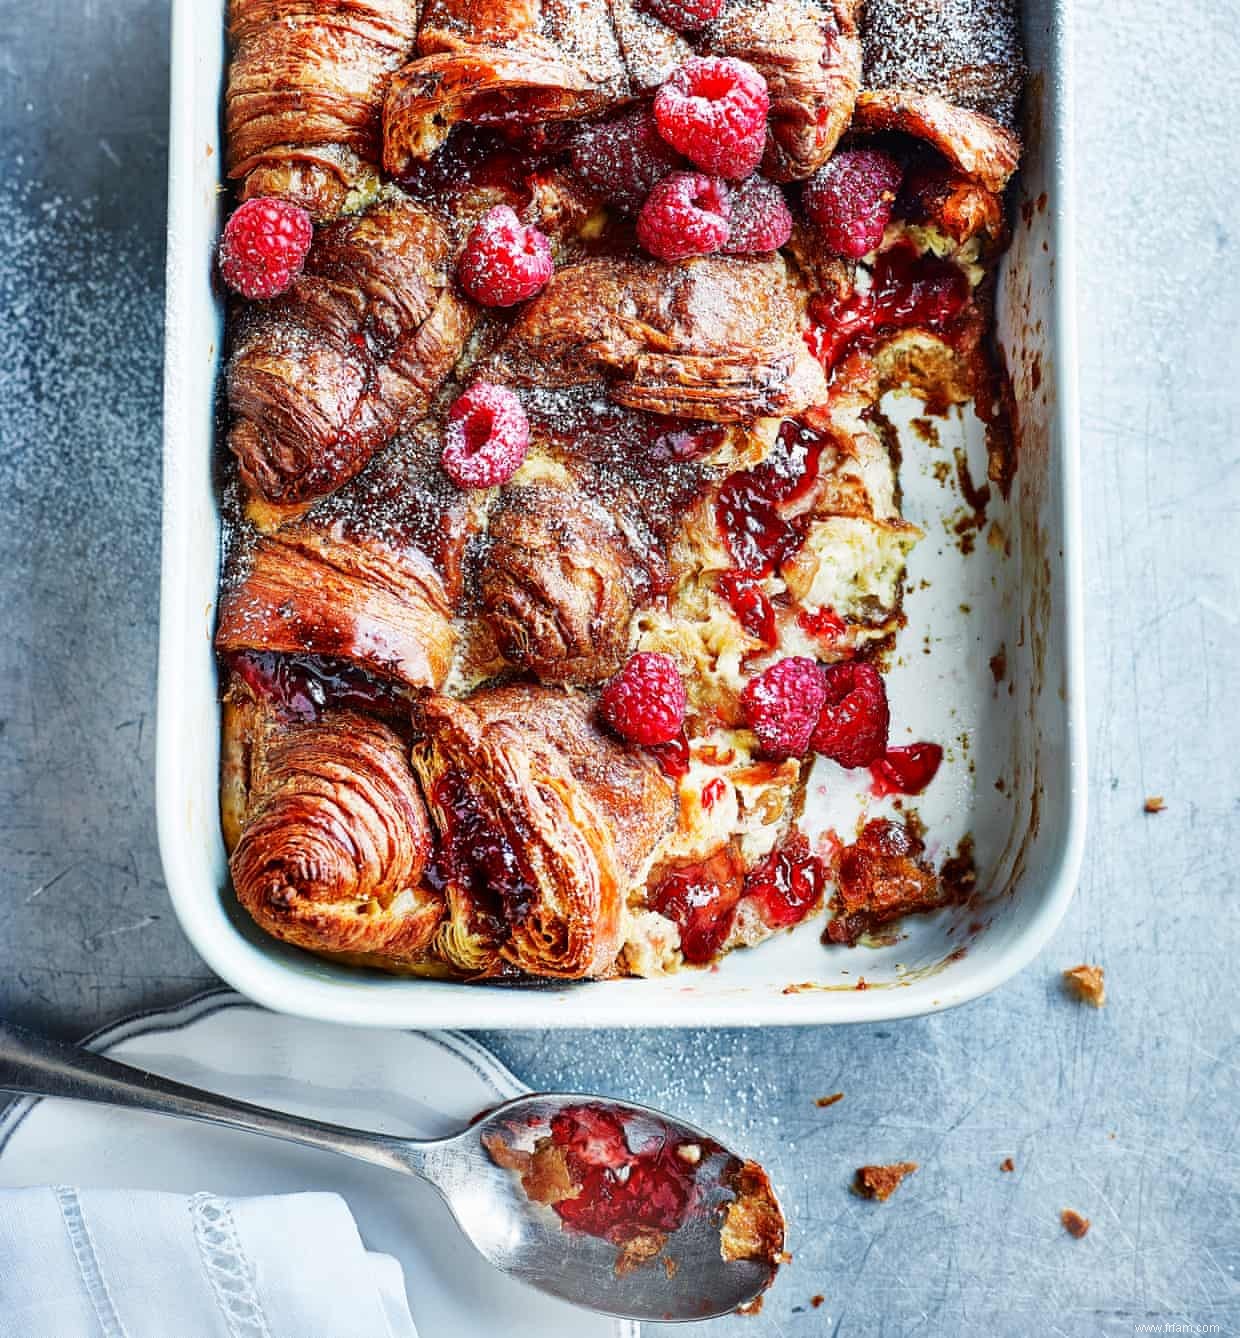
(563, 540)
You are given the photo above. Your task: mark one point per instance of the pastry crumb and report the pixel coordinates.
(753, 1227)
(1155, 804)
(753, 1308)
(639, 1251)
(881, 1182)
(824, 1101)
(1087, 983)
(816, 1301)
(1007, 1164)
(1073, 1223)
(671, 1266)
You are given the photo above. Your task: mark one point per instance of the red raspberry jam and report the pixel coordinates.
(749, 507)
(476, 857)
(824, 624)
(701, 899)
(673, 756)
(302, 687)
(908, 291)
(622, 1193)
(750, 603)
(906, 770)
(712, 792)
(788, 884)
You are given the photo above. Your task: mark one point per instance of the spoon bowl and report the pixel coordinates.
(614, 1207)
(685, 1275)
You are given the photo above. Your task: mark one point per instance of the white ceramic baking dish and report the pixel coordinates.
(1015, 777)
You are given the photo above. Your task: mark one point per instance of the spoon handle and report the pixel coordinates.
(38, 1066)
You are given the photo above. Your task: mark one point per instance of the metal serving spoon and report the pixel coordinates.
(689, 1279)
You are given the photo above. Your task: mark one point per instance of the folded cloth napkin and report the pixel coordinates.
(109, 1263)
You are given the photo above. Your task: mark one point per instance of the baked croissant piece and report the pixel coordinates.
(322, 377)
(716, 338)
(559, 583)
(978, 147)
(967, 51)
(483, 62)
(305, 89)
(315, 589)
(331, 833)
(545, 825)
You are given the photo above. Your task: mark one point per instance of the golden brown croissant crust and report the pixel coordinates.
(417, 773)
(559, 584)
(714, 339)
(483, 62)
(323, 376)
(305, 89)
(335, 837)
(546, 823)
(310, 589)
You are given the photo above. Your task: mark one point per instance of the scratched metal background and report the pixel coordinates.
(1128, 1115)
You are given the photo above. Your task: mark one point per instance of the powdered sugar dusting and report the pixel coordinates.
(968, 50)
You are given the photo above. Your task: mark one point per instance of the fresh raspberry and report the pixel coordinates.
(685, 215)
(264, 247)
(685, 16)
(486, 438)
(713, 110)
(852, 727)
(850, 200)
(782, 704)
(761, 220)
(624, 159)
(504, 262)
(645, 703)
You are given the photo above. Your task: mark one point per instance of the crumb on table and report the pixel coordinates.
(1007, 1164)
(817, 1301)
(881, 1182)
(1087, 983)
(824, 1101)
(1073, 1223)
(1155, 804)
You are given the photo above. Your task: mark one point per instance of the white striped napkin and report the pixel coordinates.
(108, 1263)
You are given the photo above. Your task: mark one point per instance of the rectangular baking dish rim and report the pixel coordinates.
(394, 1002)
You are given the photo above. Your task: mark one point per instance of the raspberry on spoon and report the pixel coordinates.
(264, 246)
(713, 110)
(486, 438)
(504, 262)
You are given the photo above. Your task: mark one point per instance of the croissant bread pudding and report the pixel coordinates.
(563, 531)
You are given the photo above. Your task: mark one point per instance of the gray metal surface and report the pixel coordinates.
(1128, 1115)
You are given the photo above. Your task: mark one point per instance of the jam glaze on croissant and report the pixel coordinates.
(323, 376)
(546, 824)
(333, 834)
(312, 589)
(305, 89)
